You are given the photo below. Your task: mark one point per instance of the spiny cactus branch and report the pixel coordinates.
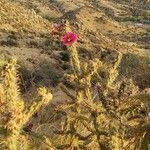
(43, 98)
(12, 105)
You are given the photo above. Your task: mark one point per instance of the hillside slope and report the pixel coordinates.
(25, 26)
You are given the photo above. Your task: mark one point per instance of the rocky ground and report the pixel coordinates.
(101, 25)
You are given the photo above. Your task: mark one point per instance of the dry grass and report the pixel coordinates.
(14, 17)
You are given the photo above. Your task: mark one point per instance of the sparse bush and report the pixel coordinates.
(9, 42)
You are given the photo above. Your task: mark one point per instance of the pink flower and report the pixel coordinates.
(69, 38)
(55, 28)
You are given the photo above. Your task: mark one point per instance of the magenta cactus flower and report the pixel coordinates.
(56, 26)
(69, 38)
(55, 29)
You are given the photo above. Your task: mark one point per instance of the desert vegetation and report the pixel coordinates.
(74, 75)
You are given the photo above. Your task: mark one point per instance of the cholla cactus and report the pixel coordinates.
(13, 113)
(104, 123)
(78, 127)
(113, 72)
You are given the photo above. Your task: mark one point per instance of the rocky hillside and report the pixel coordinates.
(103, 26)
